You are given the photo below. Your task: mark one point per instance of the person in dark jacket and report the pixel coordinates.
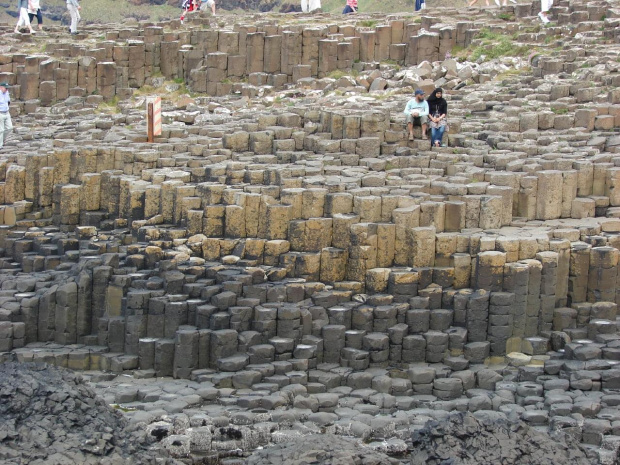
(437, 114)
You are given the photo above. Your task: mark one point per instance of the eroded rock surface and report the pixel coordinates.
(467, 439)
(48, 415)
(319, 449)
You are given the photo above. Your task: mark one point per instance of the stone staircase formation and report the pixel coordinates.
(305, 257)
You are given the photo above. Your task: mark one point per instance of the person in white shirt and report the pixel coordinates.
(308, 6)
(6, 125)
(34, 9)
(74, 10)
(208, 4)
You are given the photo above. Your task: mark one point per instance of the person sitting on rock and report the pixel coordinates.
(189, 5)
(350, 7)
(437, 112)
(417, 112)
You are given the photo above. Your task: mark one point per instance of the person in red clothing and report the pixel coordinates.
(351, 7)
(189, 5)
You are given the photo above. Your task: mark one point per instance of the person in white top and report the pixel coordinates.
(6, 125)
(308, 6)
(208, 4)
(34, 9)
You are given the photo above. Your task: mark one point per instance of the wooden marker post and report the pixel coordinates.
(153, 118)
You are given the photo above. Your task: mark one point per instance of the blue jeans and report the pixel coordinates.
(437, 134)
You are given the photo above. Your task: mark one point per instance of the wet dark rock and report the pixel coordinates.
(49, 415)
(319, 449)
(466, 439)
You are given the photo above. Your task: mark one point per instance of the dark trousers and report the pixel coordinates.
(38, 15)
(348, 9)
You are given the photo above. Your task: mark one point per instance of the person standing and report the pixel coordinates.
(417, 113)
(437, 112)
(189, 6)
(34, 9)
(545, 6)
(208, 4)
(350, 7)
(309, 6)
(23, 16)
(6, 125)
(74, 10)
(420, 5)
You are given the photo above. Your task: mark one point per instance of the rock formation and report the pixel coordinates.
(281, 261)
(48, 415)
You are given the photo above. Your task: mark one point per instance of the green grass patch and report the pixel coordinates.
(109, 106)
(121, 408)
(560, 111)
(496, 45)
(367, 23)
(506, 16)
(337, 74)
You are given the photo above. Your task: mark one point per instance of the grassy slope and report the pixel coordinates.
(104, 11)
(115, 11)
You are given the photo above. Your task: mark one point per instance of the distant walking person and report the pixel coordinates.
(473, 2)
(34, 9)
(545, 6)
(420, 5)
(6, 125)
(208, 4)
(308, 6)
(188, 6)
(351, 7)
(74, 10)
(23, 16)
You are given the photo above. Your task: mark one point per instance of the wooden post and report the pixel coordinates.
(150, 123)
